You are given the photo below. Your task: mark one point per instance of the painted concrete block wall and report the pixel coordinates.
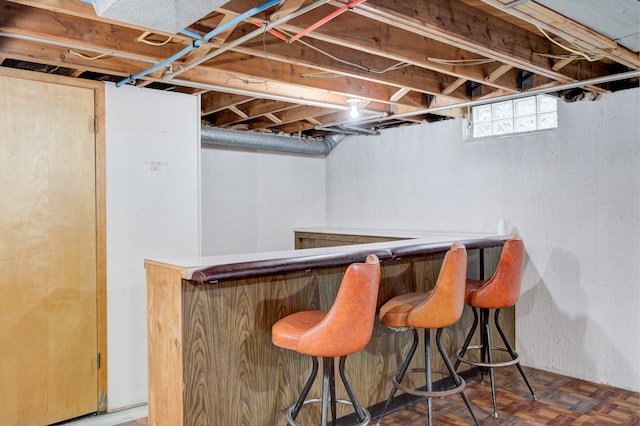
(152, 157)
(251, 200)
(574, 196)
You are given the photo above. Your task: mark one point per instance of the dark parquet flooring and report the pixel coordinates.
(561, 401)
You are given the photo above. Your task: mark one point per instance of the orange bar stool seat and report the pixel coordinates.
(502, 290)
(345, 329)
(437, 309)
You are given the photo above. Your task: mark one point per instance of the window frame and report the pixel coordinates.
(512, 117)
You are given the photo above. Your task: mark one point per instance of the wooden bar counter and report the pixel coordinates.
(210, 357)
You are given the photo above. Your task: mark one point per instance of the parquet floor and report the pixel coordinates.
(561, 401)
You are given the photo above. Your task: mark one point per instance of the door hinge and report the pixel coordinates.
(95, 124)
(98, 360)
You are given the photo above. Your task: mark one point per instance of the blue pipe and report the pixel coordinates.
(158, 65)
(200, 40)
(191, 34)
(249, 13)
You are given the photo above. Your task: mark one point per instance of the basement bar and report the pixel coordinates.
(210, 356)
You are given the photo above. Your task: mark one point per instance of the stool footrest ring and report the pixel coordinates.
(487, 364)
(428, 394)
(292, 422)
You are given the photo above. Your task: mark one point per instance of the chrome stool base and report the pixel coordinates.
(291, 421)
(513, 361)
(328, 399)
(429, 393)
(487, 352)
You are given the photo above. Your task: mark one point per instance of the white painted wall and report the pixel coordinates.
(252, 200)
(574, 196)
(152, 158)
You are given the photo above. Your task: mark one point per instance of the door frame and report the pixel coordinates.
(100, 199)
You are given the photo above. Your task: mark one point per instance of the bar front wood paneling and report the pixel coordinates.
(211, 361)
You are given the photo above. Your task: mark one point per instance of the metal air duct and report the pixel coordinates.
(237, 139)
(169, 16)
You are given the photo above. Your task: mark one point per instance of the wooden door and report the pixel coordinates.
(48, 315)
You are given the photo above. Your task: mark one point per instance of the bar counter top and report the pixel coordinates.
(207, 269)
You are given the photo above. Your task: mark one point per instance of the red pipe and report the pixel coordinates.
(273, 32)
(325, 19)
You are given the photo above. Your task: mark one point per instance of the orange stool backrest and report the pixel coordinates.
(503, 288)
(445, 303)
(348, 325)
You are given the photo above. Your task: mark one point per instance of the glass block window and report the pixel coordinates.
(517, 116)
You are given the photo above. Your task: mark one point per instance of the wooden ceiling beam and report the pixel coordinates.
(54, 26)
(456, 24)
(455, 85)
(31, 26)
(225, 117)
(302, 112)
(236, 65)
(285, 8)
(273, 118)
(377, 38)
(215, 101)
(416, 79)
(263, 80)
(261, 106)
(293, 115)
(252, 110)
(202, 27)
(217, 41)
(238, 112)
(81, 9)
(571, 31)
(325, 119)
(562, 63)
(60, 56)
(292, 128)
(399, 94)
(205, 77)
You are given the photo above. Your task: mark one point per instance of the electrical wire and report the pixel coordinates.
(574, 57)
(87, 57)
(143, 39)
(264, 47)
(568, 49)
(244, 80)
(396, 66)
(461, 62)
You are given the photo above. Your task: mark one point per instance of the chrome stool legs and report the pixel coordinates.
(328, 394)
(429, 393)
(486, 352)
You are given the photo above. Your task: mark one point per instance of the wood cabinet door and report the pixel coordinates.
(48, 317)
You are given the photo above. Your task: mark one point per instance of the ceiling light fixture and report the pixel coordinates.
(353, 112)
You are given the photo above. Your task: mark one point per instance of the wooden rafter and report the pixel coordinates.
(570, 31)
(398, 57)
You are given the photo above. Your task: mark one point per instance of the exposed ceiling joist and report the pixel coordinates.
(406, 61)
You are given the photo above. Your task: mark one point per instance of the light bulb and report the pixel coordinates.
(353, 111)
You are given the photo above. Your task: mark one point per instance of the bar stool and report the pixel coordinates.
(344, 329)
(437, 309)
(502, 290)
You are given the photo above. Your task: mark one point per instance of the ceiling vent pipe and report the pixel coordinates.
(237, 139)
